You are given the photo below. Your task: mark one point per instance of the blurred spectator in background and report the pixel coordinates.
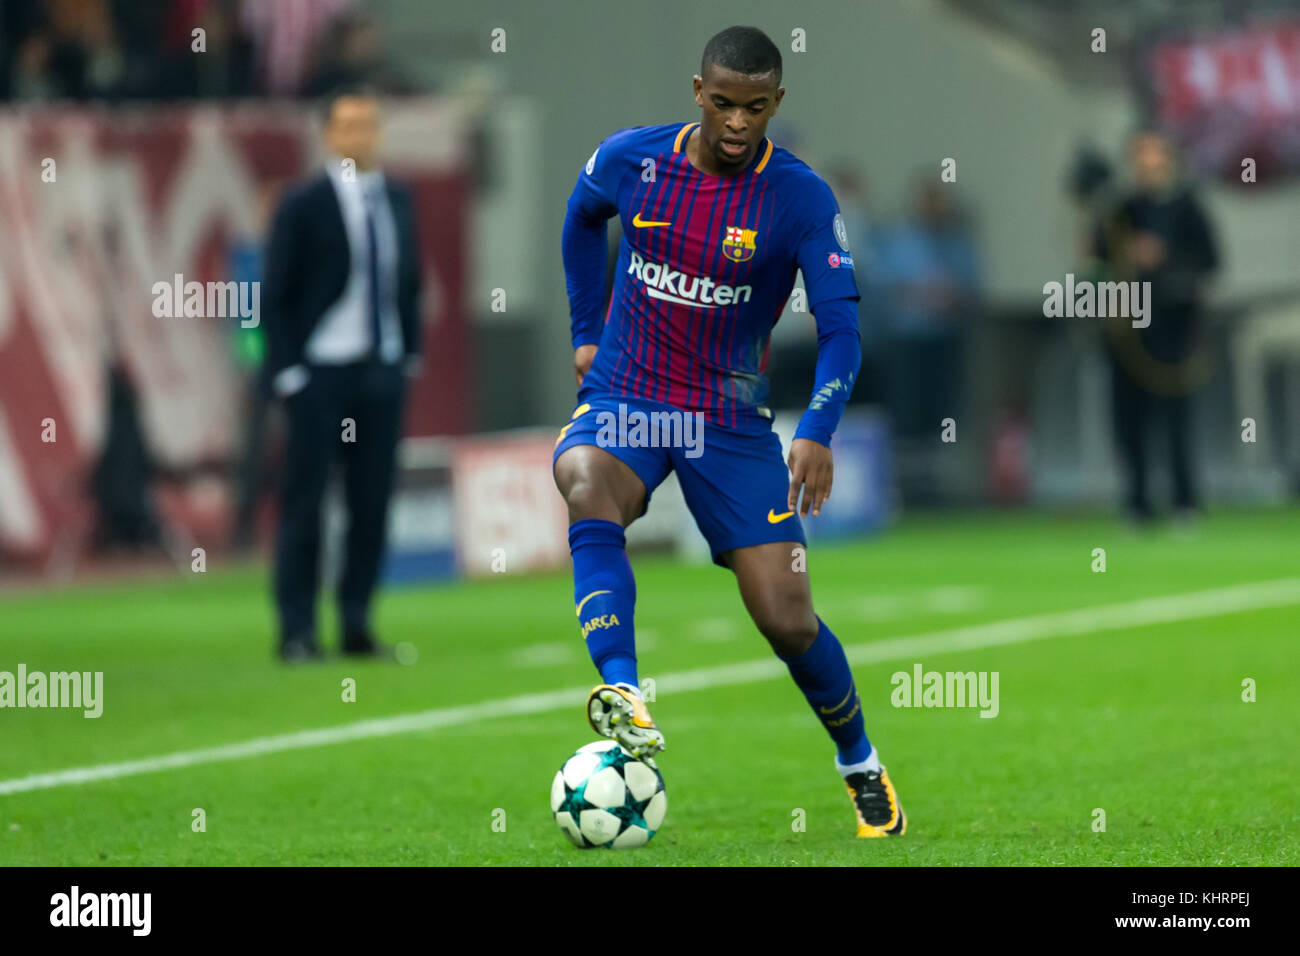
(286, 34)
(352, 54)
(1089, 179)
(225, 68)
(927, 284)
(125, 517)
(1090, 183)
(246, 255)
(24, 52)
(340, 309)
(132, 49)
(65, 49)
(1157, 233)
(125, 470)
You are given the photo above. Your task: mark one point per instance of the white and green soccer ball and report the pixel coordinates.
(605, 797)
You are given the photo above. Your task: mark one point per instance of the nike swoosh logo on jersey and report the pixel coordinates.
(644, 224)
(774, 518)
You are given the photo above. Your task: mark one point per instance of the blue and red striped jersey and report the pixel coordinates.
(704, 271)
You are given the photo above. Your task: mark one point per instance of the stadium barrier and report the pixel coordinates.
(101, 205)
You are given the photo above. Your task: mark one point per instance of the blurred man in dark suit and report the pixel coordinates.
(1158, 233)
(340, 309)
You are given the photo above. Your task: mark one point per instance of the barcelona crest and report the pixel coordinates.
(738, 244)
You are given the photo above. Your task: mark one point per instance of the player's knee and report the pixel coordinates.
(590, 490)
(589, 495)
(790, 628)
(589, 498)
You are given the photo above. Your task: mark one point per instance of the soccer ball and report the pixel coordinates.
(605, 797)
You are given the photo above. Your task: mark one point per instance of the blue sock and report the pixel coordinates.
(604, 593)
(822, 673)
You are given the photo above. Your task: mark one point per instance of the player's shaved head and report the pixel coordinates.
(745, 50)
(738, 90)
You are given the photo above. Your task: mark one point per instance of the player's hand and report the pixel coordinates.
(583, 356)
(811, 469)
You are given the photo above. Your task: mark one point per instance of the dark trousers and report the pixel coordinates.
(372, 395)
(251, 477)
(1135, 411)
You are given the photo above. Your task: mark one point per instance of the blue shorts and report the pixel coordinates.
(735, 484)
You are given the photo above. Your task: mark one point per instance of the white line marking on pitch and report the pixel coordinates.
(885, 607)
(543, 655)
(1090, 620)
(714, 630)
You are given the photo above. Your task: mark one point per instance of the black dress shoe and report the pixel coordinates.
(299, 651)
(365, 644)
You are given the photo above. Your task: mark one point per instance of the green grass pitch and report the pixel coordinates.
(1145, 722)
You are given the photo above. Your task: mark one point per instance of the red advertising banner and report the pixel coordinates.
(1231, 95)
(509, 516)
(97, 207)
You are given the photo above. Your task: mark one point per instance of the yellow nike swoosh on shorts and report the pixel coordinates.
(774, 518)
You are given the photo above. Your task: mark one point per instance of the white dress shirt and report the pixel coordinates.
(343, 333)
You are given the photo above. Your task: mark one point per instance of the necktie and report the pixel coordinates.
(372, 242)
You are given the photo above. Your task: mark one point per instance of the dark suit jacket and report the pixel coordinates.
(308, 263)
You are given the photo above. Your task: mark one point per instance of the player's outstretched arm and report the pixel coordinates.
(827, 267)
(583, 245)
(839, 357)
